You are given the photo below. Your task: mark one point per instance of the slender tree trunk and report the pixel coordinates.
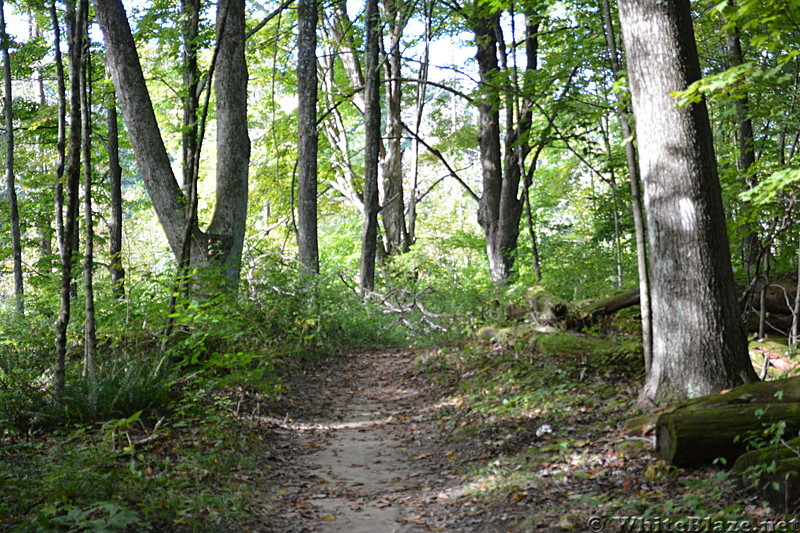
(747, 155)
(190, 9)
(307, 241)
(89, 328)
(393, 205)
(500, 207)
(72, 174)
(636, 195)
(795, 335)
(612, 185)
(227, 229)
(61, 141)
(699, 343)
(422, 84)
(372, 131)
(11, 185)
(116, 269)
(43, 226)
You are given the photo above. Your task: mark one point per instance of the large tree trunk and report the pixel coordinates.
(11, 186)
(699, 343)
(307, 242)
(227, 228)
(372, 131)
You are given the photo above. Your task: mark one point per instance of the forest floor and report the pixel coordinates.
(519, 432)
(401, 440)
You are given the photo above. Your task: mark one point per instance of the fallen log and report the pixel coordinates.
(778, 304)
(701, 435)
(775, 472)
(701, 429)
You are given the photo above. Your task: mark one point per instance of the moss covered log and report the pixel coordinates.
(698, 435)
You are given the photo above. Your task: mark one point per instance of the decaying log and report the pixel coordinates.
(779, 299)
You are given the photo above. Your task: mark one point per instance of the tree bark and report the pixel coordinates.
(11, 185)
(190, 140)
(72, 174)
(747, 155)
(307, 240)
(116, 270)
(61, 142)
(393, 203)
(493, 209)
(372, 132)
(699, 436)
(89, 326)
(699, 343)
(227, 229)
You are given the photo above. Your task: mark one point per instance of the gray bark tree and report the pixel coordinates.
(72, 174)
(227, 229)
(116, 269)
(372, 132)
(751, 246)
(396, 237)
(89, 326)
(11, 182)
(307, 242)
(500, 206)
(699, 343)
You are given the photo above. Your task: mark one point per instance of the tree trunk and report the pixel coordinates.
(307, 242)
(89, 327)
(636, 196)
(72, 174)
(372, 131)
(699, 430)
(699, 343)
(747, 155)
(11, 186)
(393, 203)
(794, 337)
(61, 142)
(499, 203)
(116, 269)
(190, 139)
(227, 229)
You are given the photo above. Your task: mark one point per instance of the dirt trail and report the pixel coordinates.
(365, 432)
